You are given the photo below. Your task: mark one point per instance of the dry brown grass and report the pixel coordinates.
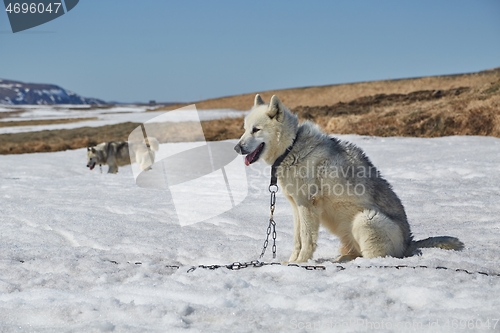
(57, 140)
(428, 113)
(43, 122)
(333, 94)
(465, 111)
(9, 114)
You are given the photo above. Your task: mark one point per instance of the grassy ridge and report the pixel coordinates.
(57, 140)
(461, 111)
(344, 93)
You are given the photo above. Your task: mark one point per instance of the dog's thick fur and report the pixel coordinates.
(115, 154)
(316, 177)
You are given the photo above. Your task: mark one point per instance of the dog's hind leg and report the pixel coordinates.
(377, 235)
(347, 253)
(346, 258)
(113, 168)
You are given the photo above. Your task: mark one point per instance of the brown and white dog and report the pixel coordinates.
(120, 153)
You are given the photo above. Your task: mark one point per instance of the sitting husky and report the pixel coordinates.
(116, 154)
(332, 182)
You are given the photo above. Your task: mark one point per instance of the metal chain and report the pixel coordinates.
(235, 266)
(272, 224)
(436, 268)
(271, 228)
(256, 263)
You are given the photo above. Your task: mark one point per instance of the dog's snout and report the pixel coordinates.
(238, 148)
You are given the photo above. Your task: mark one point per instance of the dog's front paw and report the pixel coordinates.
(294, 256)
(304, 256)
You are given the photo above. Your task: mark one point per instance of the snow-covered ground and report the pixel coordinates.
(105, 116)
(71, 241)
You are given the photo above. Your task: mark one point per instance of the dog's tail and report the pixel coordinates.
(153, 143)
(442, 242)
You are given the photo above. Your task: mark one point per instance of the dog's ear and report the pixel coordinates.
(93, 149)
(258, 100)
(88, 148)
(276, 109)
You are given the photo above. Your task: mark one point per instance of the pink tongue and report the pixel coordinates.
(249, 157)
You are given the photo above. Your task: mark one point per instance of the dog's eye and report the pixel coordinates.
(255, 130)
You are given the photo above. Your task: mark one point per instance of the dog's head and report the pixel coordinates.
(92, 157)
(269, 130)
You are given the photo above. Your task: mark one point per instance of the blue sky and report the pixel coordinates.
(124, 50)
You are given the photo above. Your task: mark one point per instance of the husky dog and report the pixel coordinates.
(331, 182)
(116, 154)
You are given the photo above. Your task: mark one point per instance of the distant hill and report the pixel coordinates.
(15, 92)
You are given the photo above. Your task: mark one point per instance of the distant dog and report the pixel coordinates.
(332, 182)
(115, 154)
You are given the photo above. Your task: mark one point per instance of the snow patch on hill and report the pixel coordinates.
(15, 92)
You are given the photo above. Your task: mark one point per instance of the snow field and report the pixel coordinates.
(82, 251)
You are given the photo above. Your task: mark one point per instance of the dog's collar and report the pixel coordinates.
(276, 164)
